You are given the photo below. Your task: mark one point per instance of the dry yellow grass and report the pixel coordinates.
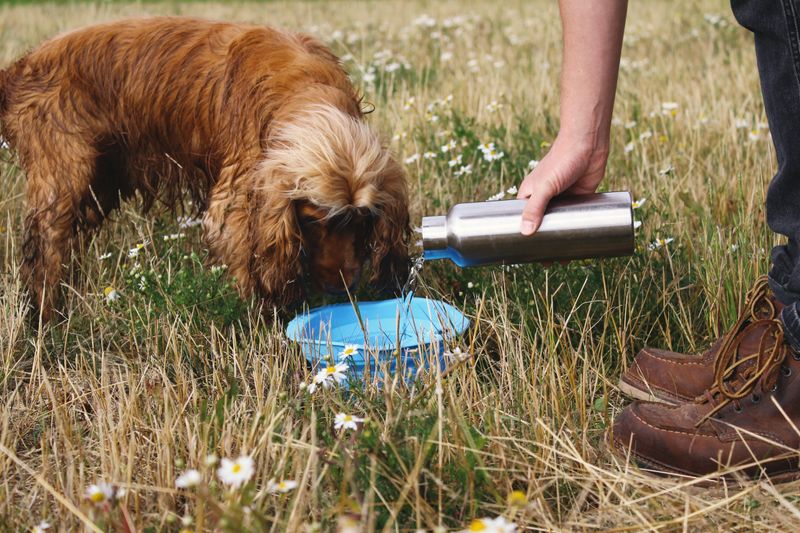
(137, 392)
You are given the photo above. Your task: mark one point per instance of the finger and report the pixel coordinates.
(526, 187)
(534, 209)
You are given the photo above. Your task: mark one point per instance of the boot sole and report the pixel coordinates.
(660, 471)
(646, 395)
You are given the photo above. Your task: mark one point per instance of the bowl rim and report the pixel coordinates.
(295, 327)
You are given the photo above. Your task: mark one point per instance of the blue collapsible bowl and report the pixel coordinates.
(419, 327)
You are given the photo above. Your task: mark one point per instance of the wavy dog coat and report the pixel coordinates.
(246, 119)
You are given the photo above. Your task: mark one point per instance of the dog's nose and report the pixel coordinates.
(347, 281)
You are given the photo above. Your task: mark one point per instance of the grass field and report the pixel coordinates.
(136, 391)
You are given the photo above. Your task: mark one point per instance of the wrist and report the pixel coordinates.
(586, 141)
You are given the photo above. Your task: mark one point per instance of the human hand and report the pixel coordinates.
(571, 167)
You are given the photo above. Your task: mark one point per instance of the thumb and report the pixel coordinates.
(540, 195)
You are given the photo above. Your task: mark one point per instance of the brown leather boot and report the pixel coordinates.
(671, 377)
(748, 419)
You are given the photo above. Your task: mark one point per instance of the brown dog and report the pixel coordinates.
(261, 127)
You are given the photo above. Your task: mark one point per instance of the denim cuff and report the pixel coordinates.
(791, 326)
(780, 275)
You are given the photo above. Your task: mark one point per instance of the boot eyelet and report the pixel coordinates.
(755, 398)
(737, 408)
(796, 356)
(774, 388)
(786, 371)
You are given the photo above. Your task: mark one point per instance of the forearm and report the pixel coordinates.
(592, 40)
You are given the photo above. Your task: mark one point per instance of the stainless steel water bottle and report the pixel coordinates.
(573, 227)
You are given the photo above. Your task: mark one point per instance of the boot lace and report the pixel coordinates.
(734, 378)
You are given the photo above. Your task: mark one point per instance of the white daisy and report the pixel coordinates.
(413, 158)
(451, 145)
(455, 162)
(456, 354)
(493, 155)
(345, 421)
(100, 493)
(491, 525)
(533, 163)
(495, 197)
(629, 147)
(493, 106)
(349, 350)
(236, 472)
(134, 252)
(638, 203)
(105, 256)
(637, 224)
(465, 169)
(429, 155)
(111, 294)
(512, 191)
(754, 135)
(660, 243)
(41, 527)
(328, 376)
(282, 486)
(190, 478)
(669, 106)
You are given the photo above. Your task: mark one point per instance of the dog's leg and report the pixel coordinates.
(225, 227)
(55, 191)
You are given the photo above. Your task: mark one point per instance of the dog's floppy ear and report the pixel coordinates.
(276, 239)
(391, 231)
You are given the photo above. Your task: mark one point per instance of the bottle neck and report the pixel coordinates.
(434, 235)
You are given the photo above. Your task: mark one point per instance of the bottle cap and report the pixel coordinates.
(434, 234)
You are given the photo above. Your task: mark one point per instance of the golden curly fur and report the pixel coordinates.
(260, 127)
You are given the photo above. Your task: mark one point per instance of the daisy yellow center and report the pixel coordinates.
(517, 497)
(97, 496)
(236, 468)
(108, 290)
(348, 418)
(282, 485)
(331, 370)
(477, 525)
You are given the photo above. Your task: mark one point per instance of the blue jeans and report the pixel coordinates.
(776, 29)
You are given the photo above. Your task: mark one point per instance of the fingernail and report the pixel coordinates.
(527, 227)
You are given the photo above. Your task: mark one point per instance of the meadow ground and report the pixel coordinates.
(136, 391)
